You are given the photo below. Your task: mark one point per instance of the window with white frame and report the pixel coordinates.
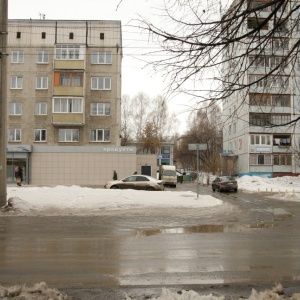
(67, 105)
(42, 57)
(260, 139)
(15, 109)
(260, 159)
(68, 135)
(104, 57)
(234, 127)
(17, 57)
(101, 83)
(40, 108)
(40, 135)
(280, 119)
(16, 82)
(67, 52)
(41, 83)
(100, 135)
(100, 109)
(14, 135)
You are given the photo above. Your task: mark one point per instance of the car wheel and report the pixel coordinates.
(235, 190)
(175, 186)
(213, 189)
(149, 188)
(220, 190)
(114, 187)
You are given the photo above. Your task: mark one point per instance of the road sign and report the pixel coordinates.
(197, 146)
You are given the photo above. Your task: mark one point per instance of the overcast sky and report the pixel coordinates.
(135, 75)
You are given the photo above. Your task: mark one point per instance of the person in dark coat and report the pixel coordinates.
(115, 176)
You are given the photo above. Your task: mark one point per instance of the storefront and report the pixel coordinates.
(16, 157)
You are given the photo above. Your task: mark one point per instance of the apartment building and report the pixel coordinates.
(255, 141)
(64, 99)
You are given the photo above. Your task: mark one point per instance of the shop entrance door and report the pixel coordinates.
(10, 173)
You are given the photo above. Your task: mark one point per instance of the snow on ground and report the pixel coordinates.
(82, 200)
(284, 188)
(41, 291)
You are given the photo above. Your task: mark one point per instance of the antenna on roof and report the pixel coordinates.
(42, 16)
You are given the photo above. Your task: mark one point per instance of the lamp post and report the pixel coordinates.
(3, 105)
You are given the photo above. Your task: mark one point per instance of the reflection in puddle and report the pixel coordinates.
(202, 229)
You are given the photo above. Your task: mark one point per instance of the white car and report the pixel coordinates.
(136, 182)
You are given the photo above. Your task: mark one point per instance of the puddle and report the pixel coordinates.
(202, 229)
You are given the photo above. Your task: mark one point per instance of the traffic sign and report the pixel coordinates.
(197, 146)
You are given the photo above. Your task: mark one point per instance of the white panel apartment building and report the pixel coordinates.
(64, 99)
(250, 145)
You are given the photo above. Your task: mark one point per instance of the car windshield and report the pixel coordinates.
(169, 173)
(227, 178)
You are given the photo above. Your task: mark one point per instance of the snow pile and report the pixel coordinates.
(75, 200)
(277, 293)
(39, 291)
(285, 184)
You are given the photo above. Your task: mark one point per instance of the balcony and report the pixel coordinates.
(61, 119)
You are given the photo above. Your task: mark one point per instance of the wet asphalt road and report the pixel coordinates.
(250, 241)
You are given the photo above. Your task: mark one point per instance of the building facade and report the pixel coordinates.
(256, 140)
(64, 101)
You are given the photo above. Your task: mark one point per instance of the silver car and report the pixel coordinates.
(136, 182)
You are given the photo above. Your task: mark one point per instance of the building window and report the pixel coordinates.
(282, 140)
(17, 57)
(165, 149)
(100, 109)
(40, 108)
(282, 159)
(16, 82)
(74, 79)
(271, 81)
(260, 119)
(270, 100)
(67, 52)
(14, 135)
(280, 119)
(100, 135)
(67, 105)
(259, 139)
(68, 135)
(257, 24)
(102, 57)
(280, 44)
(101, 83)
(234, 127)
(229, 130)
(260, 159)
(42, 57)
(41, 83)
(71, 35)
(43, 35)
(15, 109)
(40, 135)
(18, 34)
(234, 146)
(102, 36)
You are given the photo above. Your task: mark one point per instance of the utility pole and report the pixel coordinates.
(3, 100)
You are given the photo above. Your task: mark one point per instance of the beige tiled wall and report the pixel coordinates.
(88, 169)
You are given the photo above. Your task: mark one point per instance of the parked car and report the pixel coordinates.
(136, 182)
(224, 183)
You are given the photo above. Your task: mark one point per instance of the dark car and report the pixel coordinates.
(136, 182)
(224, 183)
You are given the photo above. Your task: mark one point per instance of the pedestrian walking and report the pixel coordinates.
(115, 175)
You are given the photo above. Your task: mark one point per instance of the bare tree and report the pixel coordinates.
(204, 128)
(141, 114)
(209, 46)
